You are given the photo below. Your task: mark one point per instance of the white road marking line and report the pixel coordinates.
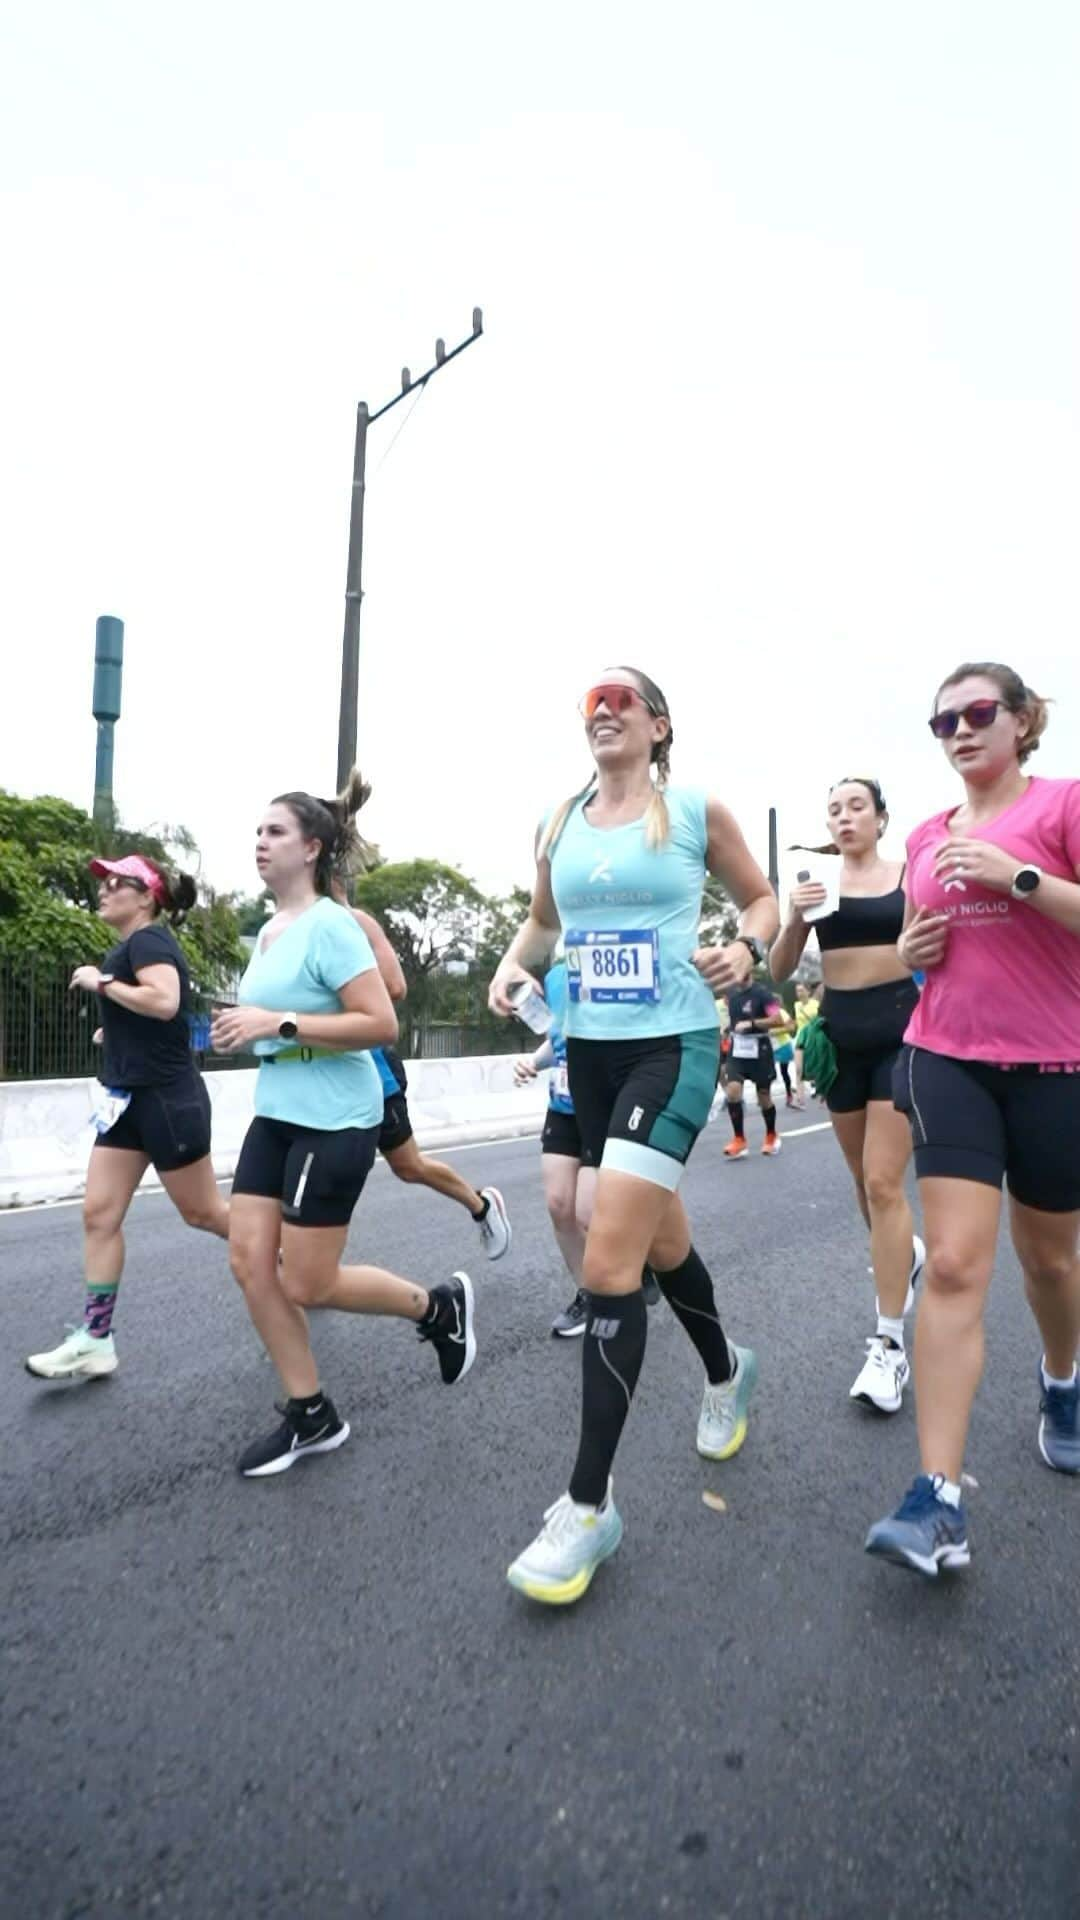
(470, 1146)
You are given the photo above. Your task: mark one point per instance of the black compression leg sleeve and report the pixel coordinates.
(737, 1117)
(688, 1291)
(612, 1352)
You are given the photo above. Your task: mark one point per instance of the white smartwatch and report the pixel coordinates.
(1025, 882)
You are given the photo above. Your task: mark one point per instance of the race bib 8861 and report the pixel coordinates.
(621, 968)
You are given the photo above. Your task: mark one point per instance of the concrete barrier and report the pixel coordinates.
(46, 1129)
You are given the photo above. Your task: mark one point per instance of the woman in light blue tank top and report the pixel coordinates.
(312, 1005)
(620, 871)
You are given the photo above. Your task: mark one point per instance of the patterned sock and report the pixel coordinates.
(100, 1305)
(612, 1352)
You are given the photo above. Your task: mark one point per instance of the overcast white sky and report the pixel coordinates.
(778, 397)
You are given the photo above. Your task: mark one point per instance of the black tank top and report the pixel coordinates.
(863, 920)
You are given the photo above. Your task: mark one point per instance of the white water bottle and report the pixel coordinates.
(827, 874)
(529, 1006)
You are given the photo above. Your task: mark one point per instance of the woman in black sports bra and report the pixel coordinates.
(868, 1000)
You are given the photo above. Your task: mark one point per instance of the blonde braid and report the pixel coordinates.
(657, 817)
(552, 833)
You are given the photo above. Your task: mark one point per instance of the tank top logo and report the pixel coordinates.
(601, 874)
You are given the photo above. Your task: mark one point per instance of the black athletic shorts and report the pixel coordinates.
(396, 1127)
(866, 1026)
(317, 1176)
(561, 1134)
(640, 1104)
(973, 1121)
(171, 1124)
(760, 1072)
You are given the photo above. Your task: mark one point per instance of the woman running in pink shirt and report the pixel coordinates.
(990, 1080)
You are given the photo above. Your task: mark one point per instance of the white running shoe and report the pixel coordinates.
(722, 1421)
(495, 1229)
(885, 1373)
(79, 1356)
(573, 1541)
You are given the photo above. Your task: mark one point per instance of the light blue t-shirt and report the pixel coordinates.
(556, 993)
(302, 972)
(630, 918)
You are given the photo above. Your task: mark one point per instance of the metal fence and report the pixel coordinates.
(444, 1041)
(46, 1031)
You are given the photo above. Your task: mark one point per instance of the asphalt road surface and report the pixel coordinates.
(316, 1694)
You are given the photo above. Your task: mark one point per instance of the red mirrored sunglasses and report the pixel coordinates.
(615, 697)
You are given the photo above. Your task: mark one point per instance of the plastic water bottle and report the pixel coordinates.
(529, 1006)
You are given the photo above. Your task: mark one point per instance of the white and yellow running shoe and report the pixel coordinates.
(574, 1540)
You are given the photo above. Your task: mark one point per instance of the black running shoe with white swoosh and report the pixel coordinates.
(451, 1329)
(305, 1428)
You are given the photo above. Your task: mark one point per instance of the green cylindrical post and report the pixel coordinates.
(108, 677)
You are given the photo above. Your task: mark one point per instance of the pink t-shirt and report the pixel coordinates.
(1008, 989)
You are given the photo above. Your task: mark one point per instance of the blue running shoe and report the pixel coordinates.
(924, 1533)
(1059, 1428)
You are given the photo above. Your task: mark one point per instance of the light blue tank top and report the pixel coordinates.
(556, 993)
(630, 917)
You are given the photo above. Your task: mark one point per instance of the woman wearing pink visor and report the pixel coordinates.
(154, 1109)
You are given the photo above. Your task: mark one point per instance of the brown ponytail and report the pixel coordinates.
(342, 852)
(180, 894)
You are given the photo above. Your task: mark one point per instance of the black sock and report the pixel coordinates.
(785, 1075)
(768, 1114)
(612, 1352)
(688, 1291)
(737, 1117)
(483, 1213)
(310, 1406)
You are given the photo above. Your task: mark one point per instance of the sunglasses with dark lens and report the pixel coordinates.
(114, 881)
(615, 697)
(979, 714)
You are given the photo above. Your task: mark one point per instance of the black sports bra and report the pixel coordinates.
(863, 920)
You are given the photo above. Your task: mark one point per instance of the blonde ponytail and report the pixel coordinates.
(553, 832)
(657, 817)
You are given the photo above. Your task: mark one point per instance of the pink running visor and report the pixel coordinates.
(132, 867)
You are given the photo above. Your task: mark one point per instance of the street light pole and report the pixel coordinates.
(350, 642)
(350, 639)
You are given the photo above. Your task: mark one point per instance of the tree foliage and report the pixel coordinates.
(432, 914)
(48, 897)
(719, 915)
